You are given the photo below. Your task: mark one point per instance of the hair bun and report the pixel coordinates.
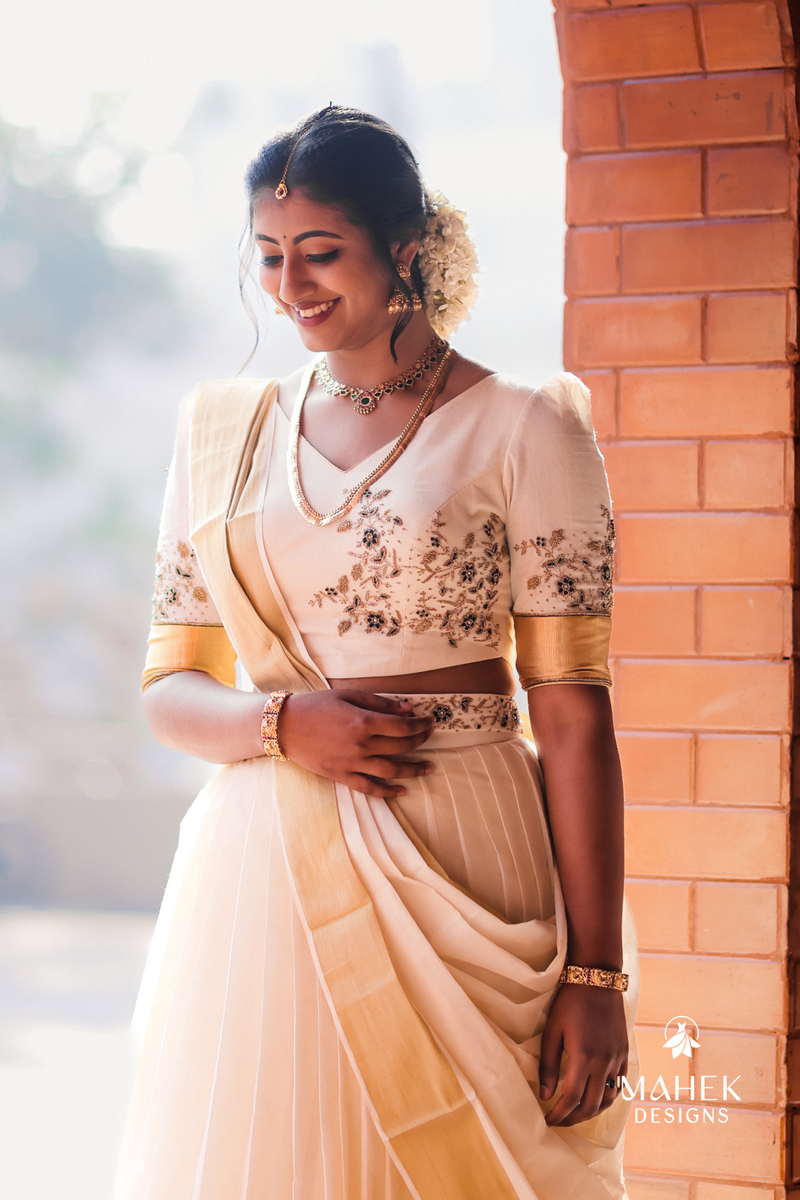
(447, 263)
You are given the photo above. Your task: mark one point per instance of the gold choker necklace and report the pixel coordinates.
(420, 413)
(365, 399)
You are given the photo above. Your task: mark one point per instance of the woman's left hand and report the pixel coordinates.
(588, 1024)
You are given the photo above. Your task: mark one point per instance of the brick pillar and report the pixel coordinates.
(681, 131)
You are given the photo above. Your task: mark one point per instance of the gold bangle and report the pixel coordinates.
(595, 977)
(269, 725)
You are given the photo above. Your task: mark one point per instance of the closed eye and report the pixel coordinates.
(323, 258)
(271, 260)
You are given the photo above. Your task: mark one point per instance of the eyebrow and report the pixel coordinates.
(301, 237)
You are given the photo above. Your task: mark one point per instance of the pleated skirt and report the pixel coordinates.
(245, 1089)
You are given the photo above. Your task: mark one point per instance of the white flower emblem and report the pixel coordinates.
(448, 262)
(681, 1042)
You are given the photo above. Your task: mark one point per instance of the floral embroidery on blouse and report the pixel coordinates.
(467, 711)
(463, 592)
(366, 592)
(461, 601)
(571, 576)
(177, 596)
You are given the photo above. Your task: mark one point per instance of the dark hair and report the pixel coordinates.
(358, 162)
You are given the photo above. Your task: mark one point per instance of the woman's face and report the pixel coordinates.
(322, 271)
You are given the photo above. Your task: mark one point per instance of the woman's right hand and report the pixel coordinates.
(354, 738)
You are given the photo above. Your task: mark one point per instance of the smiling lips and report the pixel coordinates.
(315, 314)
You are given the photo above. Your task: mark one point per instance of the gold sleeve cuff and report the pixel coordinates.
(563, 649)
(174, 648)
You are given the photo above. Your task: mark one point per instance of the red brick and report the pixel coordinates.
(746, 1147)
(591, 118)
(640, 1188)
(737, 918)
(747, 328)
(603, 386)
(729, 696)
(747, 621)
(656, 767)
(739, 770)
(625, 44)
(712, 111)
(592, 262)
(608, 333)
(756, 1059)
(662, 913)
(705, 402)
(703, 548)
(738, 37)
(718, 256)
(743, 182)
(634, 187)
(745, 475)
(652, 476)
(728, 1191)
(586, 5)
(653, 622)
(719, 993)
(705, 843)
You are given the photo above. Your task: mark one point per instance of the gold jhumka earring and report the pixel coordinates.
(398, 301)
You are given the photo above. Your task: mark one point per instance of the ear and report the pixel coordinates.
(405, 252)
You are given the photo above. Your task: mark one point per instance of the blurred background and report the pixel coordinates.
(124, 134)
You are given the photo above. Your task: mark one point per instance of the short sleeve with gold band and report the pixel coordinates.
(561, 541)
(186, 632)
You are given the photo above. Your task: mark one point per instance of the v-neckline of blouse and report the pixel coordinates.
(385, 446)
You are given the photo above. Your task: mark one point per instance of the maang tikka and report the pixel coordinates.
(282, 190)
(399, 301)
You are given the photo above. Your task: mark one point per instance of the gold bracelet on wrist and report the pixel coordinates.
(595, 977)
(269, 725)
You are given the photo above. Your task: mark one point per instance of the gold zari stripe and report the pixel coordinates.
(563, 649)
(174, 648)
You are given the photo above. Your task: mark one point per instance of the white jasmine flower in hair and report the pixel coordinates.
(448, 262)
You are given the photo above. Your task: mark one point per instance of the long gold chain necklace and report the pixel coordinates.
(420, 413)
(365, 399)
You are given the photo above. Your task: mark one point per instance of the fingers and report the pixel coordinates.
(388, 768)
(380, 717)
(550, 1061)
(393, 746)
(371, 786)
(584, 1093)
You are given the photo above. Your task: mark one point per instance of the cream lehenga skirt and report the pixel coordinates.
(245, 1088)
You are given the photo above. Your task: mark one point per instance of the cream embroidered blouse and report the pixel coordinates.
(498, 511)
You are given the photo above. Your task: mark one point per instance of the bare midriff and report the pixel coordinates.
(494, 676)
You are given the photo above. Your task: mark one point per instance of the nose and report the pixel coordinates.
(295, 282)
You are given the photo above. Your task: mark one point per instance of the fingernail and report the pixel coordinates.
(544, 1092)
(400, 792)
(429, 769)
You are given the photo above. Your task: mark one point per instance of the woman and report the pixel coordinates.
(366, 978)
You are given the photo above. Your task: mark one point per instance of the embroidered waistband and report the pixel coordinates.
(458, 711)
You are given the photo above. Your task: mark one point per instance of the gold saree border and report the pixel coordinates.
(431, 1125)
(562, 649)
(427, 1118)
(172, 648)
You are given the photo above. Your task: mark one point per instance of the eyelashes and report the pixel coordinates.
(274, 260)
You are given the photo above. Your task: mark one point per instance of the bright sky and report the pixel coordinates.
(157, 53)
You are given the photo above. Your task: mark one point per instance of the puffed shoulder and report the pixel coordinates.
(571, 393)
